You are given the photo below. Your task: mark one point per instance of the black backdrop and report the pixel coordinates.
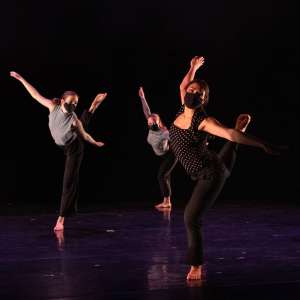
(116, 46)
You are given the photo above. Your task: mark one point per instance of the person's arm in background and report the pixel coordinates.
(146, 108)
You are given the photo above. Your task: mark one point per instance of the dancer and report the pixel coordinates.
(158, 138)
(188, 135)
(69, 133)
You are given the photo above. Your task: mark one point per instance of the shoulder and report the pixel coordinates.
(53, 107)
(203, 120)
(210, 122)
(199, 116)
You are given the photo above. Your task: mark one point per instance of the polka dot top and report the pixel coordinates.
(190, 147)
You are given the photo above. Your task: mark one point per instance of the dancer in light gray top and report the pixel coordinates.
(69, 133)
(158, 138)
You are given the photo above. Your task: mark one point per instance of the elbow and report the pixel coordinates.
(232, 135)
(37, 96)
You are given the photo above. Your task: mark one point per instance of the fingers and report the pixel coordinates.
(272, 151)
(197, 61)
(141, 92)
(276, 149)
(100, 144)
(101, 96)
(14, 74)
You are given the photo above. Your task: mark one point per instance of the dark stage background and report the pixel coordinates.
(252, 65)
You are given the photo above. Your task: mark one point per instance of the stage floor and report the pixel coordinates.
(251, 251)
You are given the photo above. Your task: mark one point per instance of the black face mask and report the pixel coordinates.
(192, 100)
(154, 127)
(69, 107)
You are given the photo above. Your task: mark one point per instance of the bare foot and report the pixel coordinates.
(163, 205)
(195, 273)
(59, 226)
(242, 122)
(60, 239)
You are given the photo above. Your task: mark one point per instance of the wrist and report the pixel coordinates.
(263, 147)
(194, 68)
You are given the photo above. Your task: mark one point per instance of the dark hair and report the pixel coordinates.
(203, 88)
(57, 101)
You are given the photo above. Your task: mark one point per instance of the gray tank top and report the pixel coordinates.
(159, 140)
(60, 125)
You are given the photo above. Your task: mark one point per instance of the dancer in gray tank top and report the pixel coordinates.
(69, 133)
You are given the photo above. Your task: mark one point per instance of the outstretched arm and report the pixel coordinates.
(196, 63)
(214, 127)
(33, 92)
(87, 137)
(146, 108)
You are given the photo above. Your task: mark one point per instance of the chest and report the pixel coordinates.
(183, 122)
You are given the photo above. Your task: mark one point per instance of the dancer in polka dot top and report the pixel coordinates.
(188, 139)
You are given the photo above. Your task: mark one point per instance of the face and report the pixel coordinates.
(69, 103)
(71, 99)
(195, 88)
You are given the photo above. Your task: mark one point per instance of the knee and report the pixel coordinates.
(162, 177)
(192, 220)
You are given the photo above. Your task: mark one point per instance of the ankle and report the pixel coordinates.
(61, 220)
(167, 200)
(196, 268)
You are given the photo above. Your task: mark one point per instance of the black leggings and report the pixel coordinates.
(164, 173)
(204, 195)
(74, 155)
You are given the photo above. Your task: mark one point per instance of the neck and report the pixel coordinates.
(63, 108)
(188, 112)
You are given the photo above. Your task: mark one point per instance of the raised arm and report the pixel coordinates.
(212, 126)
(33, 92)
(87, 137)
(146, 108)
(97, 101)
(196, 63)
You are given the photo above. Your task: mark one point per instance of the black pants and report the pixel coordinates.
(164, 173)
(204, 195)
(74, 155)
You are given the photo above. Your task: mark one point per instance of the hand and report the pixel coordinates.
(197, 62)
(274, 150)
(100, 97)
(16, 75)
(141, 92)
(99, 144)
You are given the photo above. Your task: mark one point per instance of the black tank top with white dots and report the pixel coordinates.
(190, 148)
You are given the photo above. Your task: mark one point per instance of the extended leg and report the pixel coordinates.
(229, 150)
